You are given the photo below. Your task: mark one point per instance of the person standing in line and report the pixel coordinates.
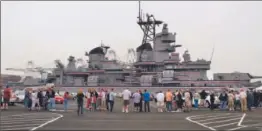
(35, 101)
(237, 100)
(249, 100)
(30, 101)
(169, 98)
(7, 96)
(212, 100)
(174, 100)
(111, 99)
(223, 100)
(147, 97)
(188, 100)
(107, 99)
(126, 97)
(203, 96)
(46, 99)
(103, 99)
(95, 94)
(260, 98)
(66, 98)
(141, 101)
(243, 100)
(93, 102)
(179, 101)
(160, 98)
(26, 99)
(256, 98)
(196, 99)
(41, 97)
(98, 99)
(52, 99)
(80, 102)
(136, 98)
(88, 102)
(231, 101)
(1, 98)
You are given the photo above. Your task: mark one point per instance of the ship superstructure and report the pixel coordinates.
(154, 63)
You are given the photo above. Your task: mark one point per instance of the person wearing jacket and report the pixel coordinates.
(212, 101)
(80, 102)
(179, 101)
(40, 97)
(260, 99)
(223, 100)
(250, 98)
(203, 96)
(256, 98)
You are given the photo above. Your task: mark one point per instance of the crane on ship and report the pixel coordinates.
(31, 68)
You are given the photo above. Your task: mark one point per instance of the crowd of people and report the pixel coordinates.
(178, 101)
(141, 101)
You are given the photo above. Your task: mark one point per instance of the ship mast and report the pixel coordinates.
(148, 27)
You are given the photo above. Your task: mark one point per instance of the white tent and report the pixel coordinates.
(259, 88)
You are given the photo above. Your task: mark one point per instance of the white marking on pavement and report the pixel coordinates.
(23, 121)
(221, 121)
(20, 128)
(217, 118)
(42, 125)
(225, 125)
(126, 120)
(237, 128)
(28, 125)
(31, 117)
(241, 120)
(206, 116)
(23, 114)
(27, 121)
(230, 119)
(188, 118)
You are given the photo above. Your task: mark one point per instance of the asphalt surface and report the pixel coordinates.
(19, 118)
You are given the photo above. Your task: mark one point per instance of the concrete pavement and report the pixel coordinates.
(217, 120)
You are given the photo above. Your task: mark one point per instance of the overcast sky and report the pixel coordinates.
(44, 31)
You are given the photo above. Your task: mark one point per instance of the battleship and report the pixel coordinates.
(155, 63)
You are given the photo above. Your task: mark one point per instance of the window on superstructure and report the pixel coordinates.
(220, 77)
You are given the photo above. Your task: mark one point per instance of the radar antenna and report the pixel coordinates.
(148, 27)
